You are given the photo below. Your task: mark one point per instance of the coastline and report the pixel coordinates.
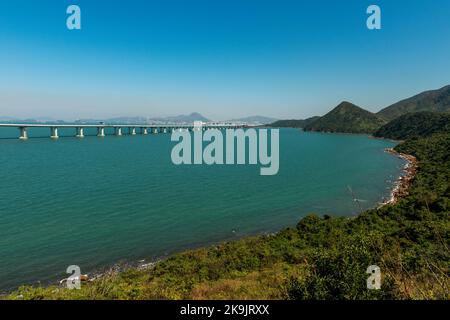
(399, 189)
(402, 184)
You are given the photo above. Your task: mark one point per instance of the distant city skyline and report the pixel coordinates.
(225, 60)
(194, 116)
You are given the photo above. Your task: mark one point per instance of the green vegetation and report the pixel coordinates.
(293, 123)
(322, 258)
(418, 124)
(347, 118)
(433, 100)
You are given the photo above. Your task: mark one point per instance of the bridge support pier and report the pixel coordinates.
(144, 131)
(80, 132)
(100, 132)
(164, 130)
(23, 133)
(133, 131)
(155, 131)
(118, 131)
(54, 133)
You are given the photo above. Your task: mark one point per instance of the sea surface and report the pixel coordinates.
(93, 202)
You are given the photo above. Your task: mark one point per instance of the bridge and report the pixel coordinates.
(133, 128)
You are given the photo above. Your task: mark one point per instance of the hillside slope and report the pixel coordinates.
(433, 100)
(347, 118)
(415, 124)
(293, 123)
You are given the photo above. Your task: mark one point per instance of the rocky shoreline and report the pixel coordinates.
(401, 186)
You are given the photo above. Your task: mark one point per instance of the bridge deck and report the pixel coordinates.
(50, 125)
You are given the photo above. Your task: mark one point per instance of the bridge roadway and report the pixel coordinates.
(144, 128)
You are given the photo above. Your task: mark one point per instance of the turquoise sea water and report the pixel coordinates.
(96, 201)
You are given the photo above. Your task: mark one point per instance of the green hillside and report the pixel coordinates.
(415, 125)
(347, 118)
(293, 123)
(433, 100)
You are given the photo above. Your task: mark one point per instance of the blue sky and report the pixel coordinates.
(224, 59)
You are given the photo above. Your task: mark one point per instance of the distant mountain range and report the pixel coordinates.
(39, 119)
(349, 118)
(190, 118)
(346, 117)
(7, 119)
(255, 120)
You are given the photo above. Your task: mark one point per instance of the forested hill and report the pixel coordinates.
(432, 100)
(347, 118)
(418, 124)
(293, 123)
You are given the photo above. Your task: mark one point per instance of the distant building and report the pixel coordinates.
(198, 124)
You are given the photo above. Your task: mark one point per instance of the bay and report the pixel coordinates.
(95, 201)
